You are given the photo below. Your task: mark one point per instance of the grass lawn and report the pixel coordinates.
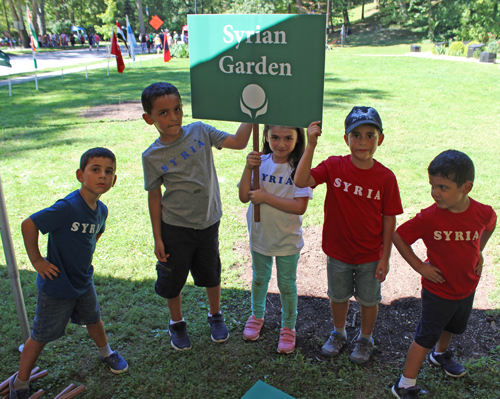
(427, 106)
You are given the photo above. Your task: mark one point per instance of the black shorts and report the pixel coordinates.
(438, 315)
(190, 250)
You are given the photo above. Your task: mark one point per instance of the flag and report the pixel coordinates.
(119, 32)
(34, 39)
(147, 11)
(115, 49)
(131, 40)
(4, 59)
(166, 49)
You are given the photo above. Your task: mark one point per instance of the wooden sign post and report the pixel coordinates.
(256, 185)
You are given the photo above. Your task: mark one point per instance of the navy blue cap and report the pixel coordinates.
(360, 116)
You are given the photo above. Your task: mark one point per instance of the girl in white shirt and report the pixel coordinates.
(279, 232)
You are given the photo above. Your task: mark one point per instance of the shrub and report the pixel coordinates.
(456, 48)
(494, 46)
(466, 51)
(179, 51)
(439, 50)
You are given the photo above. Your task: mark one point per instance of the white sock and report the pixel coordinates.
(367, 337)
(105, 351)
(174, 322)
(21, 385)
(407, 382)
(340, 330)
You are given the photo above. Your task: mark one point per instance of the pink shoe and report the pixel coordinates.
(287, 340)
(252, 328)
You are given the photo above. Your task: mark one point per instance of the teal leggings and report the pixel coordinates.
(286, 267)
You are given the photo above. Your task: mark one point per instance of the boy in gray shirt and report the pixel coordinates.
(186, 217)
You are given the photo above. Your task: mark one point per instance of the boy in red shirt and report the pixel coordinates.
(362, 201)
(455, 230)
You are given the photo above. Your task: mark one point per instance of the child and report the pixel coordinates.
(455, 230)
(186, 219)
(362, 201)
(279, 231)
(65, 286)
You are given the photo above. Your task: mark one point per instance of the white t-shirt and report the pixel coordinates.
(278, 233)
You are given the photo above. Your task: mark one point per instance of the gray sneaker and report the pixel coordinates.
(362, 351)
(333, 346)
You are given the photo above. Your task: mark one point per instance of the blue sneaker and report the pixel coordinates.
(449, 365)
(19, 393)
(218, 328)
(115, 362)
(180, 338)
(334, 345)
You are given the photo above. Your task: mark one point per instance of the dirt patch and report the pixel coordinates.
(127, 110)
(398, 315)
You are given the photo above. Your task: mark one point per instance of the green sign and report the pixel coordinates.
(257, 68)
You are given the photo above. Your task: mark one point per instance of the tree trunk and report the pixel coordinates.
(6, 18)
(300, 6)
(345, 13)
(363, 10)
(431, 33)
(56, 10)
(142, 29)
(22, 32)
(495, 10)
(43, 26)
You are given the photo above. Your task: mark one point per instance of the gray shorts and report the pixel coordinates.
(53, 314)
(346, 280)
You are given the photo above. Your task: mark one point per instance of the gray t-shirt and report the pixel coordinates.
(186, 168)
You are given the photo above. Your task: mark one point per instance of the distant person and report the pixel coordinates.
(97, 39)
(185, 218)
(176, 37)
(90, 40)
(158, 44)
(361, 204)
(82, 40)
(66, 289)
(455, 230)
(72, 39)
(278, 235)
(149, 43)
(144, 45)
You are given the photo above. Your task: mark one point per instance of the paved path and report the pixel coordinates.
(60, 59)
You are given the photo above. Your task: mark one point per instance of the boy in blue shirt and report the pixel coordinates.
(65, 285)
(186, 217)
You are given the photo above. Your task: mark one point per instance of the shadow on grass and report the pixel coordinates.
(136, 321)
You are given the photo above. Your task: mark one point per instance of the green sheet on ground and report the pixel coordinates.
(261, 390)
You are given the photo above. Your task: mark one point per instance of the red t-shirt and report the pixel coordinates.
(453, 242)
(356, 199)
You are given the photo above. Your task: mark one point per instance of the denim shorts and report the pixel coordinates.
(346, 280)
(190, 250)
(438, 315)
(53, 314)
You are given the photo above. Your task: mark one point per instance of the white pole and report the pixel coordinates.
(108, 66)
(36, 82)
(8, 248)
(62, 76)
(140, 63)
(10, 86)
(86, 74)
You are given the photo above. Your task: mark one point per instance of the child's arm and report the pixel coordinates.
(303, 176)
(245, 186)
(425, 269)
(239, 140)
(41, 265)
(388, 227)
(295, 206)
(154, 203)
(485, 236)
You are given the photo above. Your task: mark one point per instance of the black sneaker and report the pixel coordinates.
(449, 365)
(405, 393)
(218, 328)
(180, 338)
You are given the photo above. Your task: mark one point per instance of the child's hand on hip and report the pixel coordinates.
(46, 269)
(253, 159)
(431, 273)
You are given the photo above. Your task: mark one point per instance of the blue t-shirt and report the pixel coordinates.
(73, 228)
